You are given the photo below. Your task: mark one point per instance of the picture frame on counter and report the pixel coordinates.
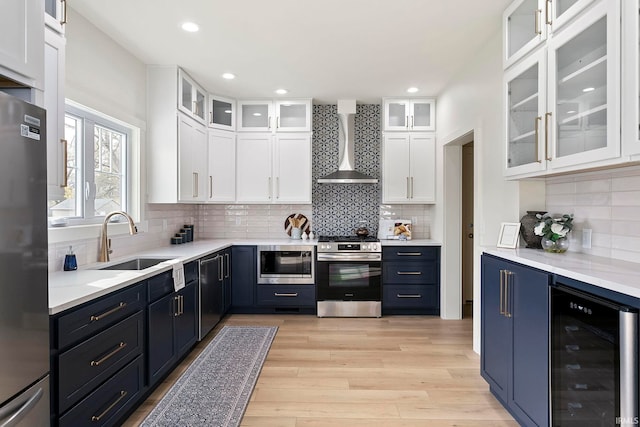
(509, 234)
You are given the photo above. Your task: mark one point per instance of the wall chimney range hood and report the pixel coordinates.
(346, 174)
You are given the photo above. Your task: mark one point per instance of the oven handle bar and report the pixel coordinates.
(628, 366)
(345, 256)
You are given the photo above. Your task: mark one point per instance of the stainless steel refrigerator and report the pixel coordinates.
(24, 312)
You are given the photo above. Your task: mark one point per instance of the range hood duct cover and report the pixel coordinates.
(346, 173)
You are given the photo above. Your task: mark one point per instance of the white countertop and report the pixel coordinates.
(607, 273)
(70, 288)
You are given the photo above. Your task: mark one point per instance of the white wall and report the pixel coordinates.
(473, 103)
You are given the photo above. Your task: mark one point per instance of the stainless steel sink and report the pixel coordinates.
(136, 264)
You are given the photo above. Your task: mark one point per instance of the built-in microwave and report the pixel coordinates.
(286, 264)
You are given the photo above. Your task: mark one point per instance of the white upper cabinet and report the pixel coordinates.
(22, 42)
(222, 167)
(55, 14)
(54, 57)
(528, 23)
(631, 79)
(273, 168)
(192, 160)
(222, 113)
(293, 115)
(408, 173)
(562, 101)
(191, 97)
(410, 114)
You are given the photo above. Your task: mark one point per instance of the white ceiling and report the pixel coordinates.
(321, 49)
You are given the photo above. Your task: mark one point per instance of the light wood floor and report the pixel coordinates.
(402, 371)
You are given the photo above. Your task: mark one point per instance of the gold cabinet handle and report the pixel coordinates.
(278, 122)
(195, 185)
(408, 295)
(269, 123)
(546, 136)
(412, 187)
(119, 307)
(537, 21)
(211, 116)
(548, 12)
(97, 418)
(409, 273)
(63, 19)
(270, 189)
(277, 294)
(277, 187)
(109, 355)
(220, 266)
(408, 191)
(210, 187)
(181, 304)
(65, 160)
(537, 137)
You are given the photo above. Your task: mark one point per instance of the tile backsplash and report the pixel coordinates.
(608, 203)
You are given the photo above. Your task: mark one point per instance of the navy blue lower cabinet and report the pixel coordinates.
(243, 278)
(515, 338)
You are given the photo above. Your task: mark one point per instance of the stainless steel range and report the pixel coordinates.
(348, 273)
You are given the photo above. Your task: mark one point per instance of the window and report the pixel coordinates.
(98, 167)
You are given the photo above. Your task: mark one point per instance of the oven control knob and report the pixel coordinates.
(365, 247)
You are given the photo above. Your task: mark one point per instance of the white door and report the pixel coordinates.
(254, 182)
(191, 97)
(255, 116)
(21, 36)
(293, 116)
(396, 173)
(222, 167)
(396, 114)
(525, 105)
(192, 149)
(584, 88)
(422, 160)
(292, 168)
(422, 117)
(524, 28)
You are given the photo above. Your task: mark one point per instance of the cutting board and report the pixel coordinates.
(304, 223)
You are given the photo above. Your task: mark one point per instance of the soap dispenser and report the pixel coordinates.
(70, 262)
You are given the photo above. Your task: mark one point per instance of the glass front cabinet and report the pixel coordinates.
(222, 113)
(562, 101)
(291, 115)
(415, 114)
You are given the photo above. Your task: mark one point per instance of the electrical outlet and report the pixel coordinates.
(586, 238)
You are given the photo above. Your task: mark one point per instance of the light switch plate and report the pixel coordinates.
(586, 238)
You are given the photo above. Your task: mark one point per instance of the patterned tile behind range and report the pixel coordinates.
(339, 208)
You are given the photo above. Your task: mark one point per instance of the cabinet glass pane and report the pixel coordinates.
(581, 92)
(421, 114)
(398, 113)
(50, 7)
(186, 94)
(521, 26)
(561, 6)
(255, 116)
(293, 115)
(222, 112)
(200, 100)
(523, 113)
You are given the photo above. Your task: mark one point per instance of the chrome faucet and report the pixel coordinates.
(105, 243)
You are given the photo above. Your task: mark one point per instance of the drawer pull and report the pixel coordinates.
(109, 355)
(409, 273)
(119, 307)
(97, 418)
(293, 294)
(409, 295)
(409, 253)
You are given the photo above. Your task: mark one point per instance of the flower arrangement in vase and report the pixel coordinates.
(554, 230)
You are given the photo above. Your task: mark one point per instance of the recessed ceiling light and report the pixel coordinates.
(281, 91)
(228, 111)
(412, 90)
(190, 27)
(257, 114)
(228, 76)
(588, 89)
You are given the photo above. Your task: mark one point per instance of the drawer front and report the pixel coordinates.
(413, 272)
(160, 285)
(280, 296)
(191, 271)
(89, 320)
(411, 253)
(106, 405)
(83, 367)
(411, 296)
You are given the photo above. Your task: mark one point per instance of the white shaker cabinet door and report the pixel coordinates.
(292, 168)
(254, 183)
(192, 153)
(422, 164)
(396, 179)
(221, 185)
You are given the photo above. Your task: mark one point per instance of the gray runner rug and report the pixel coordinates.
(215, 389)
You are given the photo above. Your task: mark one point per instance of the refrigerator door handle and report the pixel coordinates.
(10, 416)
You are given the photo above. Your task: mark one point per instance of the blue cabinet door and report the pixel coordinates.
(529, 393)
(186, 322)
(496, 344)
(243, 277)
(160, 337)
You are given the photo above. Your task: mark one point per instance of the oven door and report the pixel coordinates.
(348, 277)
